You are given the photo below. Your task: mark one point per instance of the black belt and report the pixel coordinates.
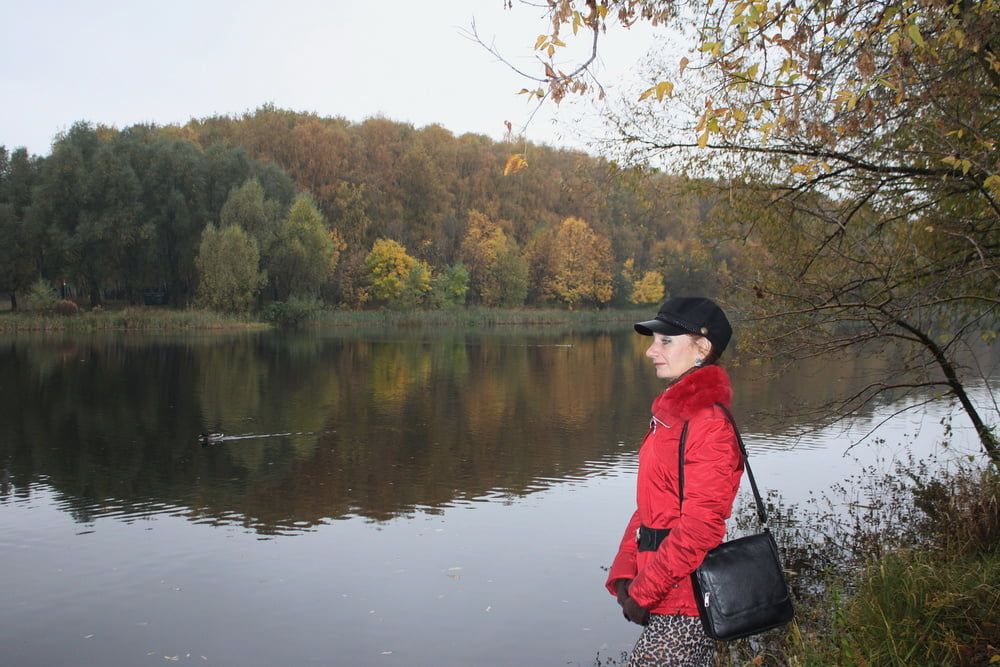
(649, 538)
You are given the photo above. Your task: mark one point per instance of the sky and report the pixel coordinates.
(119, 63)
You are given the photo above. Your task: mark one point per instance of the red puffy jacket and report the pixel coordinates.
(661, 579)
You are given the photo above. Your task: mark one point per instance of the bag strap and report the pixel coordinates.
(761, 512)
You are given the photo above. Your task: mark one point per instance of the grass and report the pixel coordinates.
(479, 317)
(910, 576)
(167, 319)
(915, 608)
(125, 319)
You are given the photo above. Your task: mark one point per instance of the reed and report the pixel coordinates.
(923, 589)
(126, 319)
(478, 317)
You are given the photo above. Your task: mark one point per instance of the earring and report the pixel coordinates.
(699, 362)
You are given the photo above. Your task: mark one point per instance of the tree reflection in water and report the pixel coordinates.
(371, 424)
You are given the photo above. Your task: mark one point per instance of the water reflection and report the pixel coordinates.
(327, 425)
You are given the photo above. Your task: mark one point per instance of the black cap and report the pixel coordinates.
(690, 315)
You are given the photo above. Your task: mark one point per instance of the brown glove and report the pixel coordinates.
(633, 612)
(621, 589)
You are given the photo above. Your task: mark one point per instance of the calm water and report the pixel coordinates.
(403, 499)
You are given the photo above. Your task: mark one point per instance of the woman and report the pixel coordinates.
(666, 540)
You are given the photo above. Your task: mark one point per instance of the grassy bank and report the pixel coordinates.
(898, 570)
(478, 317)
(126, 319)
(908, 575)
(166, 319)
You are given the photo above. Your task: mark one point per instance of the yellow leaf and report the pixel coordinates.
(646, 94)
(993, 183)
(752, 72)
(664, 88)
(703, 139)
(684, 64)
(540, 42)
(551, 50)
(558, 42)
(914, 34)
(515, 163)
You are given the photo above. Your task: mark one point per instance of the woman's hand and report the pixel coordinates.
(633, 612)
(630, 608)
(621, 589)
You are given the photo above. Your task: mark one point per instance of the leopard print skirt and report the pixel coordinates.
(673, 641)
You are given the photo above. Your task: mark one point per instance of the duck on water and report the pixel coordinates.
(211, 437)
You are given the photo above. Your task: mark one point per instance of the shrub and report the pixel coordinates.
(291, 313)
(66, 308)
(894, 569)
(41, 296)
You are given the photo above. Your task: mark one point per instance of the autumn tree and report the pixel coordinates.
(393, 273)
(862, 139)
(580, 265)
(645, 288)
(497, 272)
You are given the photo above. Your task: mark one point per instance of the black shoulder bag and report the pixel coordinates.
(739, 587)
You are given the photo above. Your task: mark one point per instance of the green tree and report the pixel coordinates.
(511, 271)
(416, 287)
(227, 262)
(259, 217)
(449, 288)
(305, 253)
(16, 268)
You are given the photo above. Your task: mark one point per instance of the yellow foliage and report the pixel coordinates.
(580, 263)
(993, 183)
(484, 251)
(388, 266)
(514, 164)
(649, 289)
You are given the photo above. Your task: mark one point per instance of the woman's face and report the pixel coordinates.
(675, 355)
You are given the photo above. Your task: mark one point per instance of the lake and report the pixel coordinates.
(413, 497)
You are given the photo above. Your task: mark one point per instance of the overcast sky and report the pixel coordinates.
(119, 63)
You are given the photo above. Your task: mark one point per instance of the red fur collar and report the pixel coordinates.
(699, 389)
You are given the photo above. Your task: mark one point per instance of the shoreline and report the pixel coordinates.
(156, 319)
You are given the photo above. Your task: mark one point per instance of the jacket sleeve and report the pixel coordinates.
(624, 566)
(710, 461)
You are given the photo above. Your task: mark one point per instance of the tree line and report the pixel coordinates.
(234, 212)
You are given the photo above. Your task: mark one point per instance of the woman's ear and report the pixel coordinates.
(704, 346)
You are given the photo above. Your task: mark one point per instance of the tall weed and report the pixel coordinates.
(899, 568)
